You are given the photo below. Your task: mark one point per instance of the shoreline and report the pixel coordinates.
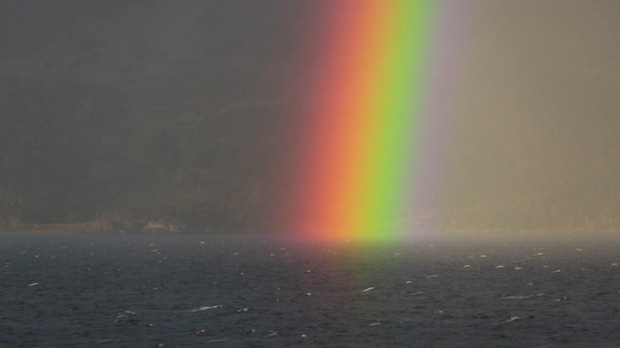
(43, 229)
(81, 228)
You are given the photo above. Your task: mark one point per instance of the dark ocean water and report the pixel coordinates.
(199, 291)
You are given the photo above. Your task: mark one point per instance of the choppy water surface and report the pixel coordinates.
(128, 291)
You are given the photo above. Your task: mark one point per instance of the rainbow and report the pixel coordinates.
(366, 104)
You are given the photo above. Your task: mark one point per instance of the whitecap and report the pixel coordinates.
(511, 319)
(124, 315)
(516, 297)
(204, 308)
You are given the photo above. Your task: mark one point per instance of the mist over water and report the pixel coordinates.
(255, 291)
(180, 113)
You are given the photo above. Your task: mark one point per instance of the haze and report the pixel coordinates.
(173, 115)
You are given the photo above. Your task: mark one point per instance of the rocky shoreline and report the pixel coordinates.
(100, 226)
